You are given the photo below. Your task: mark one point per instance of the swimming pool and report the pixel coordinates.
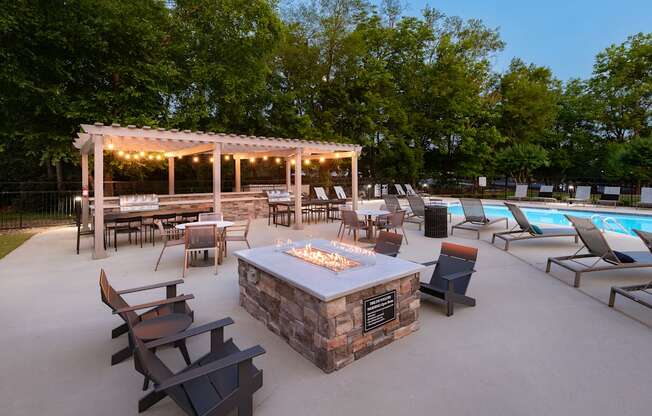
(556, 217)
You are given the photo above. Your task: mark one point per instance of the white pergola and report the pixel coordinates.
(97, 138)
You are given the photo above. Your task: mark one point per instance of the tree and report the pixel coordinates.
(521, 159)
(636, 159)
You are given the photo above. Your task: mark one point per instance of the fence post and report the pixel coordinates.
(21, 207)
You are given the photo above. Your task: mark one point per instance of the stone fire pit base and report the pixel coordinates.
(328, 333)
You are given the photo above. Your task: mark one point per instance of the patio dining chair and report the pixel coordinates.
(452, 275)
(171, 237)
(475, 218)
(198, 239)
(603, 257)
(211, 216)
(388, 243)
(129, 226)
(237, 232)
(351, 222)
(524, 230)
(161, 317)
(220, 383)
(394, 221)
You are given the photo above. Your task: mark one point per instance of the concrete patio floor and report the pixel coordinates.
(533, 345)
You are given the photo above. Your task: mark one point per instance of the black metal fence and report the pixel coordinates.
(23, 209)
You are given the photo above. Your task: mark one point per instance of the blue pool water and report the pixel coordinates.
(556, 217)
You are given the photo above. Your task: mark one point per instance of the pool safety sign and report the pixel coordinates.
(378, 310)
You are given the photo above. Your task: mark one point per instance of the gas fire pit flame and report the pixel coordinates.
(332, 261)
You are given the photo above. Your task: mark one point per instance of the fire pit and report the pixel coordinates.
(332, 302)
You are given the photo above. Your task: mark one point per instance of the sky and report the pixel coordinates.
(562, 35)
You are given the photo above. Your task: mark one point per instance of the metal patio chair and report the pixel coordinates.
(388, 243)
(452, 275)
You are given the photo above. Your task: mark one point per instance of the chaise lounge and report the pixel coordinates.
(475, 218)
(605, 259)
(520, 194)
(527, 231)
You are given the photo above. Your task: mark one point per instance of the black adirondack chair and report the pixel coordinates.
(452, 275)
(162, 317)
(221, 381)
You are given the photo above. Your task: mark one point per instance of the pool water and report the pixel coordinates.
(556, 217)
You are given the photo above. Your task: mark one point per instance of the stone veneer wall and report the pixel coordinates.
(327, 333)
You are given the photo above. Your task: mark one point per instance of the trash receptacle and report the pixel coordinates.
(436, 221)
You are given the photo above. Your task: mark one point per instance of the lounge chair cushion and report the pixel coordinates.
(623, 257)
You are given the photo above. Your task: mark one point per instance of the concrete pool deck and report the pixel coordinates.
(533, 345)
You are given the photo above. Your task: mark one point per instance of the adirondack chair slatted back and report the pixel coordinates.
(388, 243)
(520, 217)
(593, 239)
(417, 205)
(148, 364)
(473, 210)
(454, 258)
(115, 301)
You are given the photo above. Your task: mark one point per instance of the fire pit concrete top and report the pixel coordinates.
(321, 282)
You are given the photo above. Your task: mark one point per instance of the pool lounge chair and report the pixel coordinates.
(526, 231)
(409, 189)
(475, 218)
(520, 193)
(646, 198)
(641, 294)
(320, 193)
(598, 248)
(339, 191)
(452, 275)
(399, 189)
(582, 195)
(610, 196)
(545, 194)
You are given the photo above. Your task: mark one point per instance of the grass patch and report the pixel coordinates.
(10, 241)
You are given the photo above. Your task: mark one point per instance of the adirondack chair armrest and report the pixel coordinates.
(212, 326)
(154, 304)
(208, 369)
(430, 263)
(457, 275)
(149, 287)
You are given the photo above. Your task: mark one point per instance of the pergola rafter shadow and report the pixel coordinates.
(96, 138)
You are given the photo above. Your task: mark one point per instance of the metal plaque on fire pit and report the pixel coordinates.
(378, 310)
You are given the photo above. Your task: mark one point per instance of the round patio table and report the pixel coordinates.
(218, 224)
(370, 214)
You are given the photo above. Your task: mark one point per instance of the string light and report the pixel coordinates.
(158, 157)
(168, 154)
(212, 160)
(127, 156)
(179, 157)
(227, 157)
(150, 157)
(110, 146)
(264, 157)
(293, 162)
(306, 162)
(278, 160)
(337, 155)
(195, 159)
(322, 159)
(252, 159)
(136, 156)
(142, 153)
(121, 153)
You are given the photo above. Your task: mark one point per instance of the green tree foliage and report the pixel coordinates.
(521, 159)
(636, 159)
(419, 93)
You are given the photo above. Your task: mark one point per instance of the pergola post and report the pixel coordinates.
(354, 179)
(298, 215)
(237, 175)
(170, 175)
(85, 199)
(98, 190)
(288, 173)
(217, 177)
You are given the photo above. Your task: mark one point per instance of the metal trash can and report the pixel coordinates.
(436, 221)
